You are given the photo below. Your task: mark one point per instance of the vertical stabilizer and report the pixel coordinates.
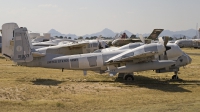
(22, 48)
(7, 38)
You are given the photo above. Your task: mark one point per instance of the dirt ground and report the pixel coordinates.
(41, 89)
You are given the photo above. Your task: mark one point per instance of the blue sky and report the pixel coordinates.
(90, 16)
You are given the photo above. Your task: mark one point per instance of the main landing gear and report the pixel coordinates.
(175, 76)
(126, 76)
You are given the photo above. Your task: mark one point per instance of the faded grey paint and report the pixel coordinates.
(22, 49)
(74, 63)
(132, 46)
(107, 55)
(150, 47)
(92, 61)
(128, 55)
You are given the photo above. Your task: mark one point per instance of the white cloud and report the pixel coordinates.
(48, 5)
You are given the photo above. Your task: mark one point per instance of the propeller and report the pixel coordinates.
(164, 40)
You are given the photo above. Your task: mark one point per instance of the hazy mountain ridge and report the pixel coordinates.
(105, 32)
(56, 33)
(109, 33)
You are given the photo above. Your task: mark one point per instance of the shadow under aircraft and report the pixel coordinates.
(47, 82)
(158, 84)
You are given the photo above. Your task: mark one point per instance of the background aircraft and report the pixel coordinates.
(57, 46)
(161, 57)
(123, 41)
(190, 42)
(184, 43)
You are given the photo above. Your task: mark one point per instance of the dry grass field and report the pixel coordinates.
(40, 89)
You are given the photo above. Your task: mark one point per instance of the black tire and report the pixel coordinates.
(174, 77)
(129, 78)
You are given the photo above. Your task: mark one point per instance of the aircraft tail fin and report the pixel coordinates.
(7, 39)
(155, 33)
(22, 47)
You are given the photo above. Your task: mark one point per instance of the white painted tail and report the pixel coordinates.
(7, 39)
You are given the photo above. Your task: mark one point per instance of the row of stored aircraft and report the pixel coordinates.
(124, 61)
(183, 43)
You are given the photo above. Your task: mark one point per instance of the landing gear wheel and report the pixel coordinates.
(175, 77)
(120, 75)
(129, 78)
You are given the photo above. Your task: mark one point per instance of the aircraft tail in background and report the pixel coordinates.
(7, 39)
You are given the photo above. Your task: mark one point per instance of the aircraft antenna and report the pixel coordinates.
(197, 31)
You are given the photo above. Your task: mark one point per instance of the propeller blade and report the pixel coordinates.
(160, 39)
(142, 39)
(163, 40)
(166, 39)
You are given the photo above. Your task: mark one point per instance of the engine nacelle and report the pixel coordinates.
(170, 69)
(136, 67)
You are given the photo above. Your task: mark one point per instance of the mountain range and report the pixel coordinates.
(109, 33)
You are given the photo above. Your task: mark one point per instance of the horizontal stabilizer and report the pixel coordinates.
(37, 54)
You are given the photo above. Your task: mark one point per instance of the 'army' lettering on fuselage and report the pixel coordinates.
(57, 61)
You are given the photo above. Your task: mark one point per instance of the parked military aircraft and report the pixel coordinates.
(184, 43)
(124, 41)
(190, 42)
(196, 43)
(57, 46)
(53, 42)
(161, 57)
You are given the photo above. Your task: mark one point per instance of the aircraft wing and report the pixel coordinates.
(37, 54)
(144, 57)
(139, 58)
(155, 33)
(68, 49)
(65, 49)
(71, 46)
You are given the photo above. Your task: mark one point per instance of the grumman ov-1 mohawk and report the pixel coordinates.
(74, 47)
(161, 57)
